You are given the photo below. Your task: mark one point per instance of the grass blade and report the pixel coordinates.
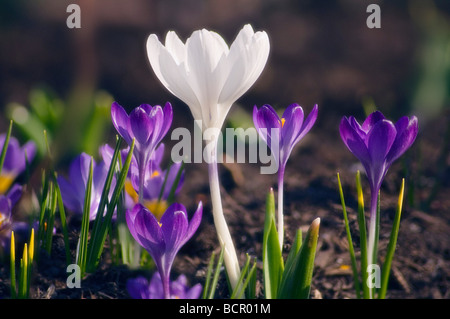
(62, 215)
(106, 188)
(50, 219)
(23, 284)
(208, 275)
(171, 197)
(239, 290)
(251, 282)
(350, 241)
(392, 243)
(99, 237)
(84, 233)
(210, 287)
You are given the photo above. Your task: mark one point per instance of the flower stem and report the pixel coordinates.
(141, 182)
(373, 232)
(280, 208)
(223, 233)
(166, 286)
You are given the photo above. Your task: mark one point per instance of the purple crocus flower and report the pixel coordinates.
(140, 288)
(147, 125)
(163, 239)
(73, 189)
(377, 143)
(16, 158)
(7, 202)
(281, 135)
(287, 130)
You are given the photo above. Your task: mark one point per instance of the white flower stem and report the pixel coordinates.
(223, 233)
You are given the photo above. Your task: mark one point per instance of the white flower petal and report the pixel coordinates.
(204, 51)
(246, 62)
(176, 47)
(172, 75)
(205, 73)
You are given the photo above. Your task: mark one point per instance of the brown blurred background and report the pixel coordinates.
(321, 52)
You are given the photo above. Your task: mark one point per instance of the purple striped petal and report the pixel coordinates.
(371, 120)
(353, 141)
(168, 118)
(380, 139)
(121, 121)
(130, 217)
(407, 130)
(69, 196)
(157, 118)
(148, 230)
(358, 129)
(195, 221)
(174, 225)
(308, 123)
(141, 126)
(267, 123)
(293, 121)
(14, 194)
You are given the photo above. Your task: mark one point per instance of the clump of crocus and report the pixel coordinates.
(16, 159)
(281, 135)
(377, 143)
(147, 125)
(73, 189)
(140, 288)
(209, 76)
(163, 238)
(157, 186)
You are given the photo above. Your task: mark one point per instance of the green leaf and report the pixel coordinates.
(350, 241)
(62, 215)
(272, 259)
(83, 241)
(392, 243)
(208, 275)
(296, 245)
(106, 187)
(210, 287)
(171, 196)
(5, 146)
(296, 280)
(362, 236)
(100, 236)
(50, 218)
(239, 290)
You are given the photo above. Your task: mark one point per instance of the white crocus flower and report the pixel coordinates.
(205, 73)
(209, 76)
